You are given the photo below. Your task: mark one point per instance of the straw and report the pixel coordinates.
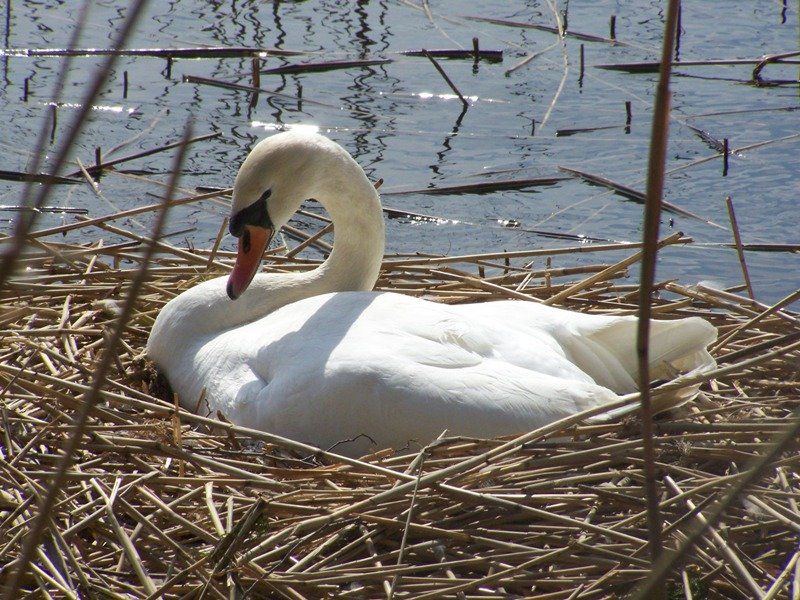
(558, 512)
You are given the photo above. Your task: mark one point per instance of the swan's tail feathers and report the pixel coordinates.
(607, 352)
(681, 347)
(661, 402)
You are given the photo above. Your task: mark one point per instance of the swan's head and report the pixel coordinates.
(276, 177)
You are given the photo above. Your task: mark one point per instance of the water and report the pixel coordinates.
(402, 122)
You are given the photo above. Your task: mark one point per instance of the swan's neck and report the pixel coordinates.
(355, 261)
(353, 265)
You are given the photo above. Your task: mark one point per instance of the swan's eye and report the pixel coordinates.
(255, 214)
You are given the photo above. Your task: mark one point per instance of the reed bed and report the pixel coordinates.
(161, 502)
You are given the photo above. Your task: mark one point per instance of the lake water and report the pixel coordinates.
(403, 123)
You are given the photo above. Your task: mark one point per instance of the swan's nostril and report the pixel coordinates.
(246, 240)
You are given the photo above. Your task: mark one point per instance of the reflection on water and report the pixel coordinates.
(404, 124)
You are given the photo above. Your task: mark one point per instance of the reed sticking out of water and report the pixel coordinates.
(447, 79)
(35, 178)
(328, 65)
(785, 58)
(725, 154)
(476, 53)
(588, 37)
(739, 248)
(770, 59)
(633, 194)
(483, 187)
(248, 88)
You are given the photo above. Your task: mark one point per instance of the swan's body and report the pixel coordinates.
(318, 358)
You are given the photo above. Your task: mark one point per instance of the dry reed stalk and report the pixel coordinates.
(635, 195)
(556, 30)
(650, 226)
(46, 504)
(97, 168)
(328, 65)
(188, 53)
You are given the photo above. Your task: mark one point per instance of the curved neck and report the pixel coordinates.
(358, 229)
(353, 265)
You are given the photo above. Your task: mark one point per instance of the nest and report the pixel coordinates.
(159, 502)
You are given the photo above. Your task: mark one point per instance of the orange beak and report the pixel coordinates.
(252, 244)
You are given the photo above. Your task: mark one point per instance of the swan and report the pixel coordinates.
(320, 358)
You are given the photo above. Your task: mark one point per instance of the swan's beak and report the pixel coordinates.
(252, 244)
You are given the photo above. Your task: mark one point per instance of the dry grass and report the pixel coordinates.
(161, 502)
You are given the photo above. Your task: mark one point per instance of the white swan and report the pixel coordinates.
(317, 357)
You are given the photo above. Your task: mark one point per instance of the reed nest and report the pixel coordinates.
(161, 502)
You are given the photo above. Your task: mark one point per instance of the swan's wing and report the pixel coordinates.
(394, 372)
(604, 346)
(393, 399)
